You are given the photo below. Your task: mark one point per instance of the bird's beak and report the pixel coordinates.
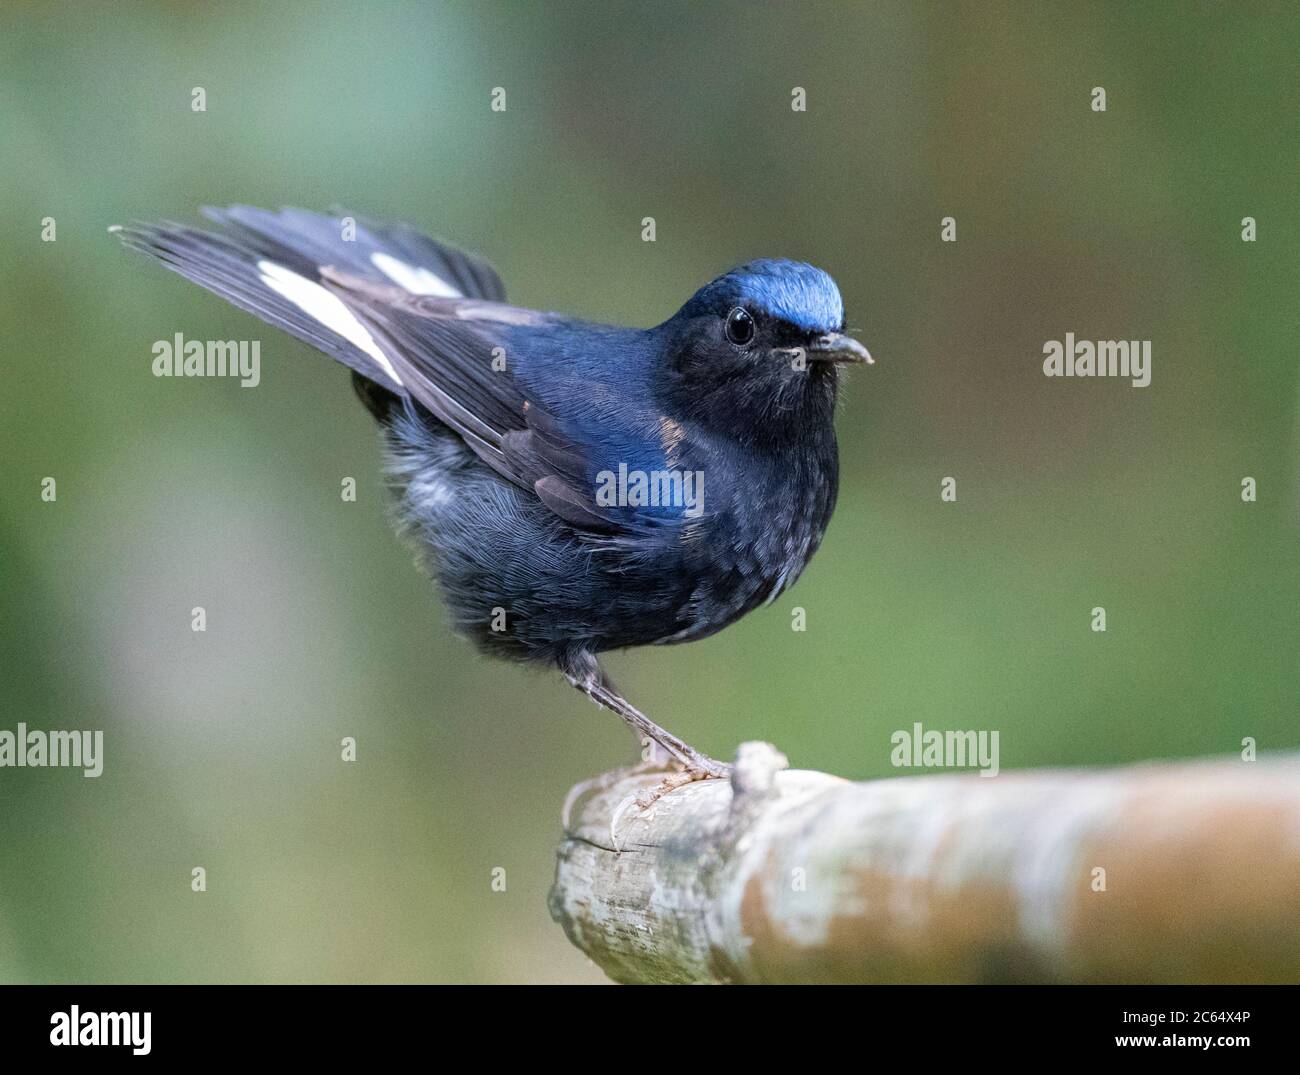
(836, 347)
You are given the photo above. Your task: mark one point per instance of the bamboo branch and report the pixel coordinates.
(798, 876)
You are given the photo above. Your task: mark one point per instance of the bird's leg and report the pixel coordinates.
(582, 670)
(592, 681)
(659, 744)
(653, 756)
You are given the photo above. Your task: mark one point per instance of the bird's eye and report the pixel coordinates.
(740, 326)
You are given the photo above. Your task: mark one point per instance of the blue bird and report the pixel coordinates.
(574, 487)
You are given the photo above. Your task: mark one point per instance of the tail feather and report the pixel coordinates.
(279, 296)
(270, 263)
(381, 253)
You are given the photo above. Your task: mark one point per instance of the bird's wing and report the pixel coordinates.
(454, 357)
(414, 315)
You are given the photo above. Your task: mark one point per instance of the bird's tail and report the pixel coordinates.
(270, 264)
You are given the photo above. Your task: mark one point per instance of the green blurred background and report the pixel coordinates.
(222, 749)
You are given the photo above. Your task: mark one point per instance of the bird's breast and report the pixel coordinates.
(763, 518)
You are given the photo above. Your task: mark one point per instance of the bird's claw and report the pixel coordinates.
(701, 769)
(605, 780)
(647, 797)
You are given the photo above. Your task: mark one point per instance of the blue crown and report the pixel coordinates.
(792, 291)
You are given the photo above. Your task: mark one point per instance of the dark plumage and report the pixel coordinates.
(505, 428)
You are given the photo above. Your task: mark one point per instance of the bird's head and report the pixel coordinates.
(762, 345)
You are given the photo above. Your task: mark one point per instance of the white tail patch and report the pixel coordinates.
(414, 278)
(320, 305)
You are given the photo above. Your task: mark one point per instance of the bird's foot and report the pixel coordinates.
(600, 783)
(647, 797)
(699, 767)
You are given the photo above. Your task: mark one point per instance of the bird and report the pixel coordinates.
(574, 488)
